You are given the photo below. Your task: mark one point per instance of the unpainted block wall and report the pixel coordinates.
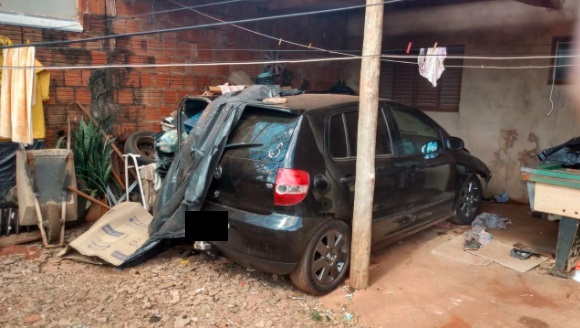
(138, 98)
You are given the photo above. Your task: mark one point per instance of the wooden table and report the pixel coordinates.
(555, 190)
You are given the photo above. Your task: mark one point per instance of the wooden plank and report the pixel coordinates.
(557, 200)
(21, 238)
(366, 141)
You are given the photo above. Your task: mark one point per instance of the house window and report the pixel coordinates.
(560, 47)
(402, 83)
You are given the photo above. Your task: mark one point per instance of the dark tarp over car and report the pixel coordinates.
(191, 173)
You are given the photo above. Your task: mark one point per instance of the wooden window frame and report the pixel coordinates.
(416, 91)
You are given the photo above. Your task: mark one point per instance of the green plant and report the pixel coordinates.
(92, 156)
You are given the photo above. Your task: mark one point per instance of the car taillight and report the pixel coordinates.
(291, 187)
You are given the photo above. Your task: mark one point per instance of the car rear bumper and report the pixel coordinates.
(271, 243)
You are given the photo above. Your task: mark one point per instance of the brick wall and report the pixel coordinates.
(139, 98)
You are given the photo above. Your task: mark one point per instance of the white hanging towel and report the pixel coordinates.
(16, 95)
(431, 65)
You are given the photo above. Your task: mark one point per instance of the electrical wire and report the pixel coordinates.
(262, 62)
(186, 28)
(281, 40)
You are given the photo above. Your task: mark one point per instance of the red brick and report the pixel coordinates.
(163, 60)
(32, 34)
(132, 79)
(83, 95)
(96, 7)
(154, 47)
(119, 26)
(133, 25)
(166, 110)
(140, 96)
(169, 47)
(170, 97)
(152, 114)
(125, 96)
(73, 78)
(124, 8)
(162, 81)
(141, 7)
(134, 59)
(189, 82)
(65, 95)
(57, 78)
(155, 97)
(147, 79)
(86, 75)
(98, 57)
(184, 49)
(183, 93)
(177, 69)
(202, 81)
(176, 81)
(139, 45)
(196, 35)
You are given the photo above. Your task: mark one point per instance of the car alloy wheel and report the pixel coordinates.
(469, 201)
(326, 258)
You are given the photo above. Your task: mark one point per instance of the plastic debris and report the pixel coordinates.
(348, 316)
(503, 198)
(491, 221)
(576, 275)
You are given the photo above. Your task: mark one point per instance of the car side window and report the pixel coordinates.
(344, 133)
(414, 131)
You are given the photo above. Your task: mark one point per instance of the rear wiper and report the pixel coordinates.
(243, 145)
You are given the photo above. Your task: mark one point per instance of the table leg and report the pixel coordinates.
(568, 248)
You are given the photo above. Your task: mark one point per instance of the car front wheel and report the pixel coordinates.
(325, 262)
(468, 201)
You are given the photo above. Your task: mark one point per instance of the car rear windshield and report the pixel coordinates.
(261, 134)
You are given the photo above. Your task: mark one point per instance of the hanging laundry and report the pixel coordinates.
(18, 96)
(431, 64)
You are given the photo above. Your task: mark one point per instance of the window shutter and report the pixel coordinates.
(403, 83)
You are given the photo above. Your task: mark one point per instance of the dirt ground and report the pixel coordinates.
(38, 289)
(411, 287)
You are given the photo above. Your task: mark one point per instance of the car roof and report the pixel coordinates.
(309, 102)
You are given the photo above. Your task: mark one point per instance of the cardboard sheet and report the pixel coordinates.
(453, 250)
(114, 237)
(500, 253)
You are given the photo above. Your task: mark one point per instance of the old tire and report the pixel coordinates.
(141, 143)
(54, 226)
(325, 261)
(468, 201)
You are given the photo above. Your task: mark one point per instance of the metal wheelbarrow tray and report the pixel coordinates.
(42, 178)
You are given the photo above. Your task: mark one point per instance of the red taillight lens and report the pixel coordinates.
(291, 187)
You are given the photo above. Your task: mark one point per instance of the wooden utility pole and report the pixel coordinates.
(366, 139)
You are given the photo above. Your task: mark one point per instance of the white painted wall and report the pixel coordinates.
(502, 115)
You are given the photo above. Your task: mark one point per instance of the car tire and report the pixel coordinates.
(325, 261)
(141, 143)
(468, 201)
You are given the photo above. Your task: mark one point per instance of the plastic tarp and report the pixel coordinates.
(191, 173)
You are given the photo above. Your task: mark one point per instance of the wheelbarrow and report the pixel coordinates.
(44, 179)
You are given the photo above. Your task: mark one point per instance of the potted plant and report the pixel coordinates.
(93, 165)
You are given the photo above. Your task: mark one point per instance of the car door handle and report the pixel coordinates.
(348, 180)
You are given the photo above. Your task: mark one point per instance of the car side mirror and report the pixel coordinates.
(432, 149)
(454, 143)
